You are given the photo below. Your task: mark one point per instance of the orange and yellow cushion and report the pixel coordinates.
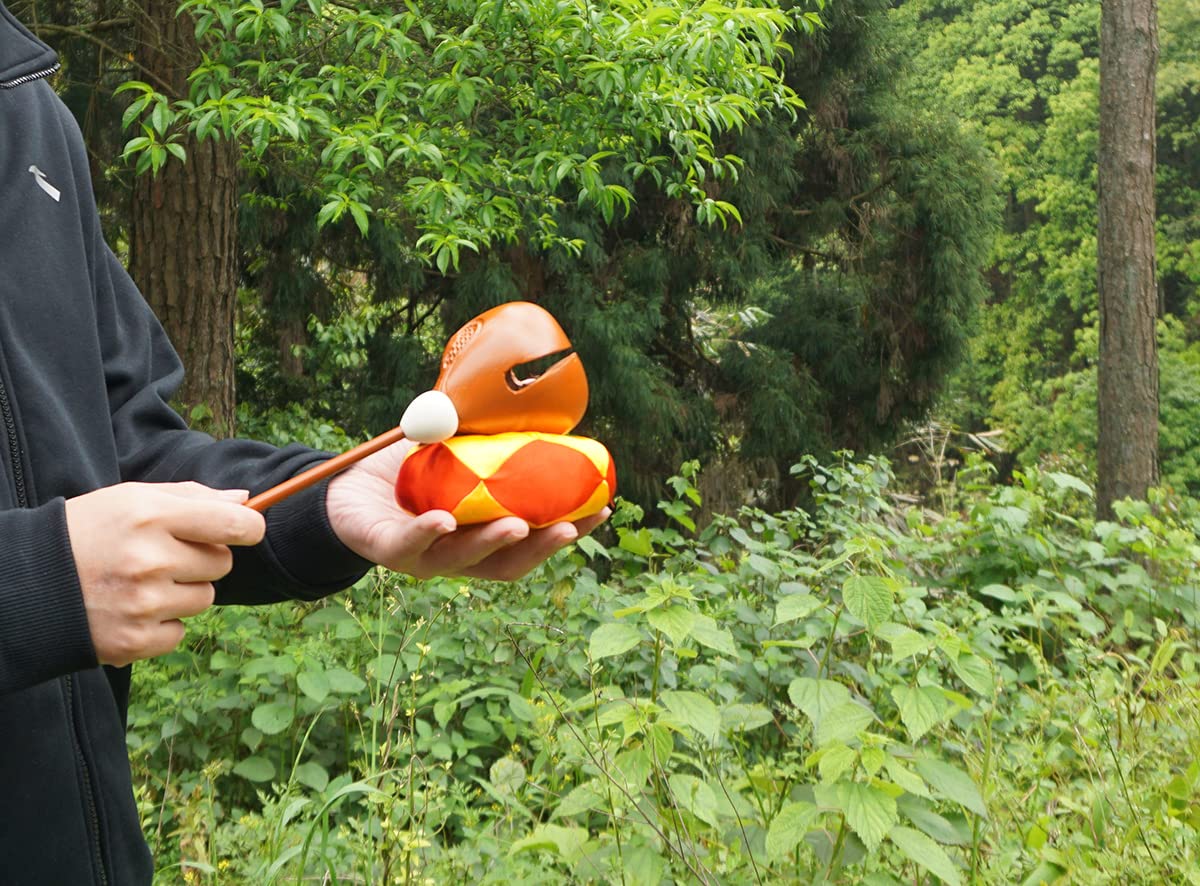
(541, 478)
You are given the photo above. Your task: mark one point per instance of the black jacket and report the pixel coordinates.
(86, 374)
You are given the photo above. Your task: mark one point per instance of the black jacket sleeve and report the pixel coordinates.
(43, 625)
(300, 557)
(88, 375)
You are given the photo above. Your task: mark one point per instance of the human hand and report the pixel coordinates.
(363, 512)
(147, 554)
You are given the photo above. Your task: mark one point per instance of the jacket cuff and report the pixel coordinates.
(43, 623)
(301, 541)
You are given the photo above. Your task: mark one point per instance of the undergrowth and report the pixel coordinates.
(859, 691)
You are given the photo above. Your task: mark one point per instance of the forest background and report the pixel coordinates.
(833, 271)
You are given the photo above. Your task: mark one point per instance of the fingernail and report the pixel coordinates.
(234, 494)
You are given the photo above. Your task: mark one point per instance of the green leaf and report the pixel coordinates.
(1067, 481)
(641, 863)
(695, 711)
(314, 684)
(696, 797)
(869, 811)
(817, 697)
(137, 143)
(788, 829)
(331, 211)
(443, 710)
(312, 775)
(521, 708)
(592, 548)
(920, 707)
(921, 813)
(386, 668)
(326, 617)
(359, 212)
(953, 784)
(660, 743)
(255, 769)
(744, 717)
(273, 717)
(768, 569)
(160, 117)
(343, 682)
(976, 673)
(507, 775)
(905, 777)
(843, 723)
(705, 632)
(613, 638)
(587, 797)
(905, 642)
(566, 842)
(926, 853)
(632, 767)
(879, 878)
(796, 606)
(873, 759)
(635, 542)
(675, 621)
(1003, 593)
(836, 761)
(868, 598)
(222, 661)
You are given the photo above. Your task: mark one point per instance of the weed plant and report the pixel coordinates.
(859, 691)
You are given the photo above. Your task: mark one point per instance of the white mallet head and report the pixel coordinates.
(430, 418)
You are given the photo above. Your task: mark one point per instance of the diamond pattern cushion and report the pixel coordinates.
(541, 478)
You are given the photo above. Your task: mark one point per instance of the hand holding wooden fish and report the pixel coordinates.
(491, 482)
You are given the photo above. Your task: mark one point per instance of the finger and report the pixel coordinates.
(192, 561)
(398, 543)
(513, 561)
(210, 520)
(587, 524)
(188, 599)
(457, 552)
(162, 639)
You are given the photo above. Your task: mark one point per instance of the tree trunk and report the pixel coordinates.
(183, 233)
(1128, 371)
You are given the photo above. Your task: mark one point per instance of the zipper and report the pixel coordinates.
(14, 447)
(21, 494)
(29, 78)
(88, 795)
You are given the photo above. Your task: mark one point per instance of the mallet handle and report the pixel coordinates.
(315, 474)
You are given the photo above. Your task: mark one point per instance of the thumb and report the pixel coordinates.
(396, 541)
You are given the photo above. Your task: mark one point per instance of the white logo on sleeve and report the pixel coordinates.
(40, 178)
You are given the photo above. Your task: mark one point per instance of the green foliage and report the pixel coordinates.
(1023, 75)
(472, 123)
(645, 171)
(1055, 419)
(852, 692)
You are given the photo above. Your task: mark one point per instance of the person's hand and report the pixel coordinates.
(363, 512)
(147, 554)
